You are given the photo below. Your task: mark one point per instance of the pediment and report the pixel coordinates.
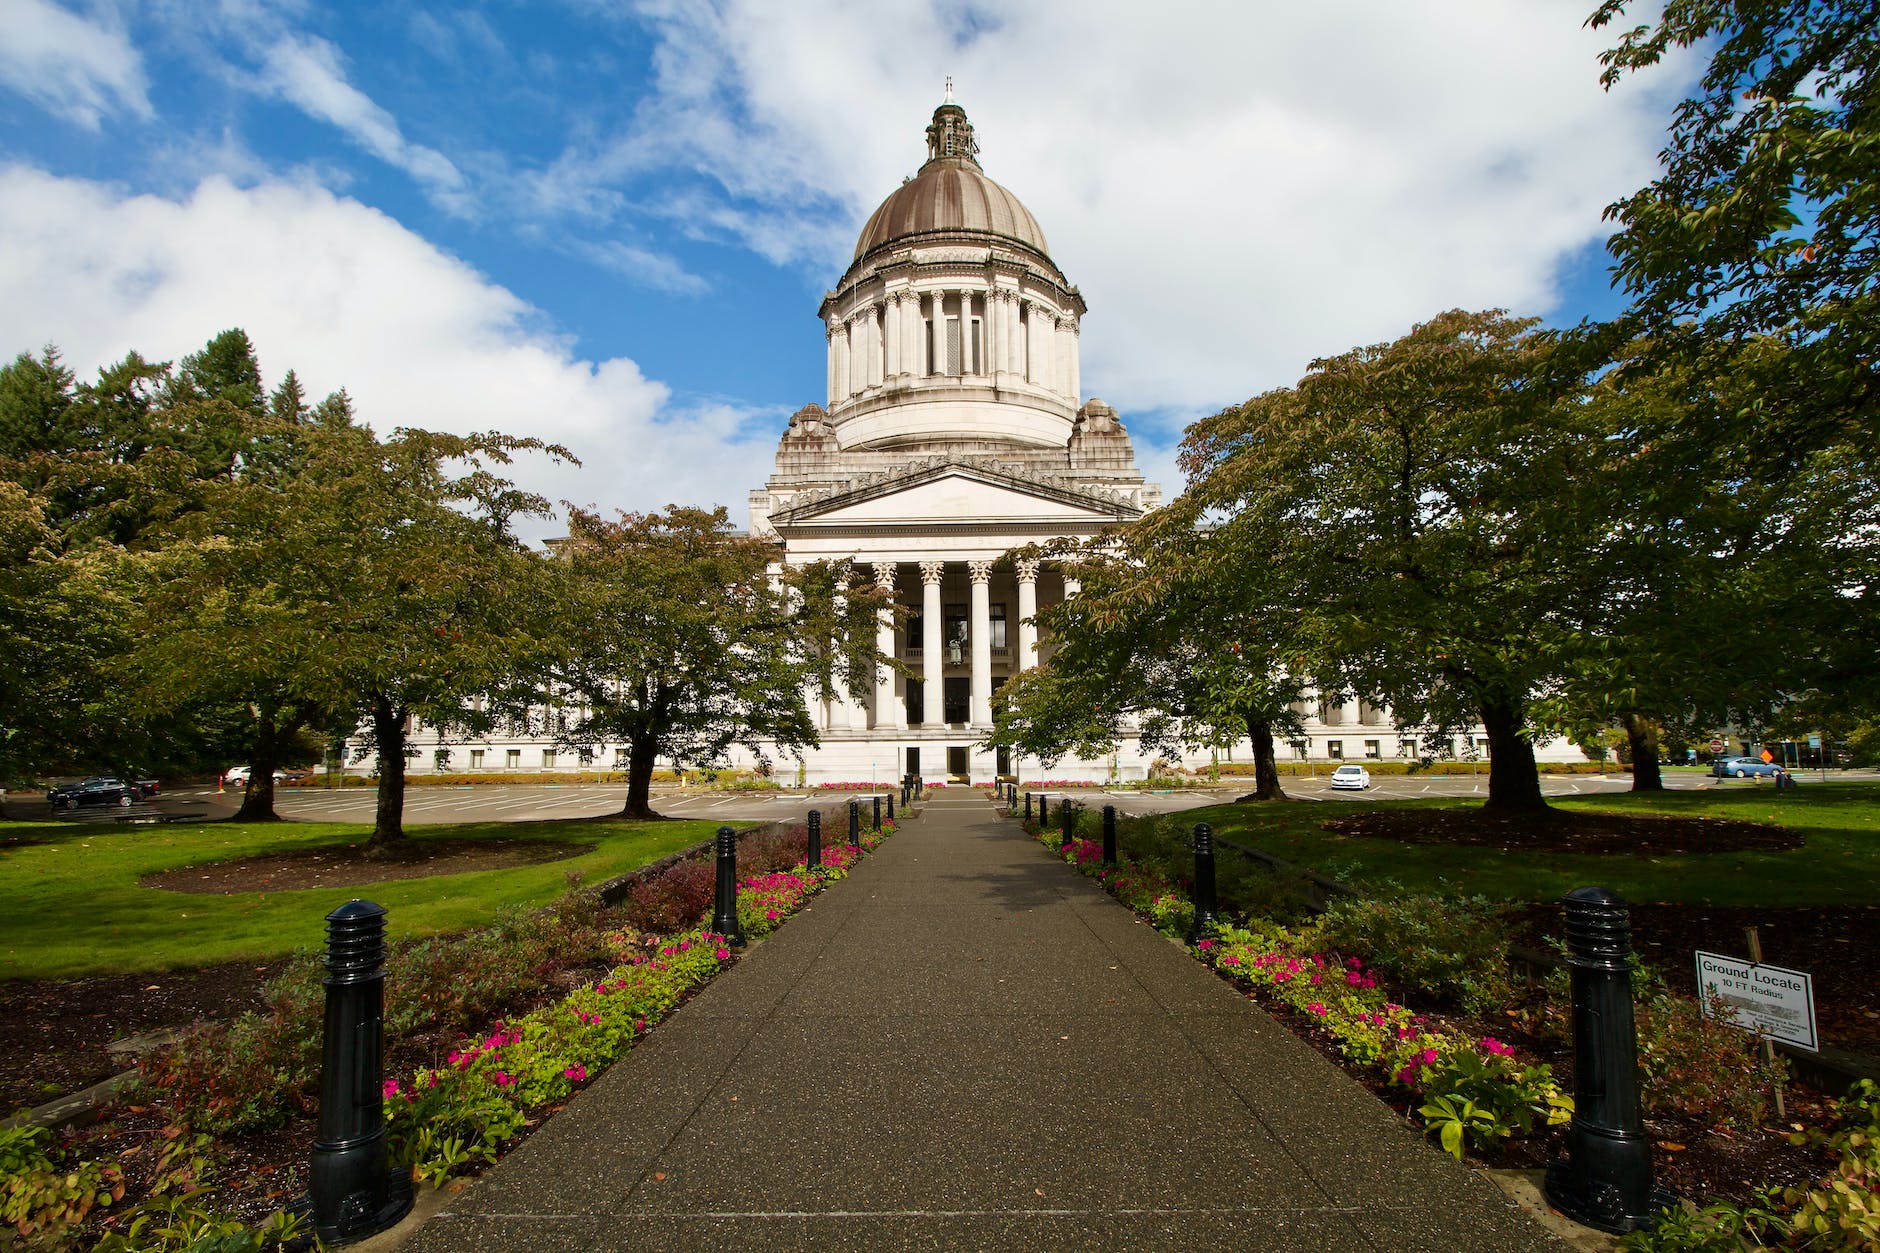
(954, 493)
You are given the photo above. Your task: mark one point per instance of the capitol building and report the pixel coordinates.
(954, 434)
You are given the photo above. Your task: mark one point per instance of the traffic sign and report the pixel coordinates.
(1716, 746)
(1767, 755)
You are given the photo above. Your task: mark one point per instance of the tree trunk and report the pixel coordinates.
(388, 732)
(1265, 768)
(640, 762)
(258, 796)
(1642, 735)
(1514, 782)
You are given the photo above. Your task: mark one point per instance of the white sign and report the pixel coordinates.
(1779, 1003)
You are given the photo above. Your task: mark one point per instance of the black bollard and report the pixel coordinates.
(350, 1193)
(877, 825)
(1109, 835)
(1205, 918)
(1605, 1180)
(855, 823)
(890, 806)
(725, 904)
(815, 837)
(1067, 823)
(1028, 807)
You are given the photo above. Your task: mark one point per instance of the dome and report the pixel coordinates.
(951, 193)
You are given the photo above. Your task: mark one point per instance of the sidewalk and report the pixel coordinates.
(967, 1046)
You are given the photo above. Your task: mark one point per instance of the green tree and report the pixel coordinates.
(1422, 495)
(1166, 642)
(676, 639)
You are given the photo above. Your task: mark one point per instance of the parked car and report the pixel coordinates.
(1351, 776)
(148, 787)
(97, 790)
(1743, 768)
(237, 776)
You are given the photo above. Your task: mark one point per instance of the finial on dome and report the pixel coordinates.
(950, 134)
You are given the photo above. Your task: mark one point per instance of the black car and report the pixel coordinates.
(93, 791)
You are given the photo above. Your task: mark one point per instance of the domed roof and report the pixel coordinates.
(951, 193)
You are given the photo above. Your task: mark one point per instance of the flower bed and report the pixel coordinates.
(248, 1078)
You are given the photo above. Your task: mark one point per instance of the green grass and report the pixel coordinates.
(1838, 865)
(74, 904)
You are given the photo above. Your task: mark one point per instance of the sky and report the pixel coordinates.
(609, 224)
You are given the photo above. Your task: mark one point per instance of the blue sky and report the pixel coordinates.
(610, 224)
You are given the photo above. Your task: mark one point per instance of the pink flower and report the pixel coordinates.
(770, 914)
(1428, 1056)
(1316, 1007)
(576, 1073)
(1205, 945)
(502, 1078)
(1489, 1044)
(389, 1090)
(1230, 960)
(722, 954)
(1317, 978)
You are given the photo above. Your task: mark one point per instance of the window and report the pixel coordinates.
(1481, 747)
(916, 633)
(512, 760)
(956, 631)
(1373, 750)
(440, 760)
(620, 758)
(1406, 748)
(548, 759)
(1335, 749)
(998, 628)
(958, 694)
(953, 347)
(586, 756)
(916, 702)
(476, 759)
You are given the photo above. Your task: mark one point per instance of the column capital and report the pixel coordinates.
(884, 575)
(930, 571)
(1027, 569)
(981, 571)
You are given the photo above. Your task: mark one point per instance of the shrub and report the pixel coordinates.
(1701, 1067)
(1453, 950)
(42, 1199)
(674, 900)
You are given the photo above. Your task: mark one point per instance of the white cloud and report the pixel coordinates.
(349, 298)
(81, 69)
(306, 71)
(1236, 188)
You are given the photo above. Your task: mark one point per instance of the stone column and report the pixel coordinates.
(858, 374)
(1072, 586)
(1014, 336)
(969, 360)
(874, 346)
(829, 338)
(887, 712)
(1027, 610)
(995, 331)
(1076, 379)
(936, 333)
(839, 703)
(911, 329)
(892, 352)
(1061, 354)
(932, 645)
(1043, 340)
(981, 634)
(839, 332)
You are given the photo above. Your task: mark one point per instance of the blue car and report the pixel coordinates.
(1743, 768)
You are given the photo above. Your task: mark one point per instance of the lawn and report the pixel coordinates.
(1839, 864)
(75, 906)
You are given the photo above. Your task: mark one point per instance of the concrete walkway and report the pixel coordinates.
(967, 1046)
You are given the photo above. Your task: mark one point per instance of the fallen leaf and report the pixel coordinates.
(659, 1176)
(1670, 1146)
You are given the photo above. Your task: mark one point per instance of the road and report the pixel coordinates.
(505, 803)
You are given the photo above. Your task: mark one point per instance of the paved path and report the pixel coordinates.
(967, 1046)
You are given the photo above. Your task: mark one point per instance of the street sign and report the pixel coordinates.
(1814, 741)
(1767, 755)
(1779, 1003)
(1716, 746)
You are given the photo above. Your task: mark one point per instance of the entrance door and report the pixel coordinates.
(959, 697)
(916, 702)
(913, 762)
(956, 762)
(1005, 762)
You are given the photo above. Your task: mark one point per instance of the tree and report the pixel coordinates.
(1764, 220)
(676, 638)
(1422, 495)
(1163, 640)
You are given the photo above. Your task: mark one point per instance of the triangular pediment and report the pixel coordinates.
(954, 492)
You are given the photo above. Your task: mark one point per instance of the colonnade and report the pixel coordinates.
(1000, 333)
(888, 710)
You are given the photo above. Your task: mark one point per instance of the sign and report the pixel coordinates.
(1779, 1003)
(1814, 741)
(1768, 756)
(1716, 746)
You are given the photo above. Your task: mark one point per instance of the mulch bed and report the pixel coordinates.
(353, 864)
(1567, 831)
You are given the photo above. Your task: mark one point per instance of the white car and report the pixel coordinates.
(1351, 776)
(237, 776)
